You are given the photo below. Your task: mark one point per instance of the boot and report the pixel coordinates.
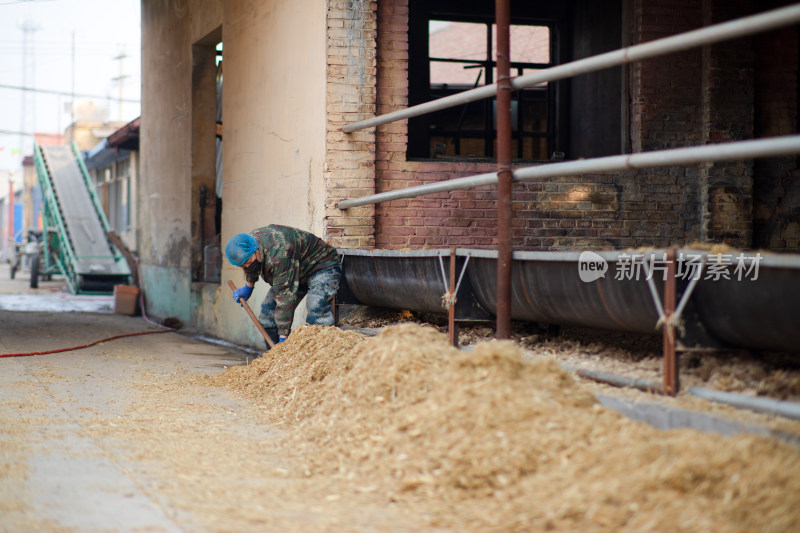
(273, 334)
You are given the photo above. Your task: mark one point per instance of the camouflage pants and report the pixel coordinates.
(320, 288)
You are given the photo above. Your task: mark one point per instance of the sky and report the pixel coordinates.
(102, 29)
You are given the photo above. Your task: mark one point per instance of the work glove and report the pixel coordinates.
(281, 338)
(243, 292)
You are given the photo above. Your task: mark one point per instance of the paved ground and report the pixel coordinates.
(123, 436)
(53, 472)
(117, 437)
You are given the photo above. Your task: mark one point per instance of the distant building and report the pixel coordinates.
(10, 212)
(86, 134)
(113, 164)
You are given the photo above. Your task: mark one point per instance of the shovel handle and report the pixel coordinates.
(252, 316)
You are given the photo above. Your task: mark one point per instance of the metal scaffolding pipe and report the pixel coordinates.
(505, 184)
(742, 27)
(741, 401)
(734, 151)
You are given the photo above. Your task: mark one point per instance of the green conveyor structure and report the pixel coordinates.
(76, 243)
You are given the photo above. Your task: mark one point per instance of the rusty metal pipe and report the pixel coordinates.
(504, 176)
(253, 316)
(671, 370)
(451, 302)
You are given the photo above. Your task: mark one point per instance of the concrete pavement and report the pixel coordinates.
(121, 436)
(55, 474)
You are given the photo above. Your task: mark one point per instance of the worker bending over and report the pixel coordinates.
(294, 263)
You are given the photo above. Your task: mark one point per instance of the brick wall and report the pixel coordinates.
(458, 218)
(350, 158)
(776, 187)
(727, 187)
(608, 211)
(665, 91)
(685, 99)
(666, 111)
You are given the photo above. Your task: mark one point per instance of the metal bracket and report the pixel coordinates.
(449, 297)
(450, 292)
(674, 319)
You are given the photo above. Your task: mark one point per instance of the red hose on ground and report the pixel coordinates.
(85, 345)
(144, 315)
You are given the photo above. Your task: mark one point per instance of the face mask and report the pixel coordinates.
(254, 269)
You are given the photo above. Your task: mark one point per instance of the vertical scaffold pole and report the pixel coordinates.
(671, 371)
(452, 328)
(504, 183)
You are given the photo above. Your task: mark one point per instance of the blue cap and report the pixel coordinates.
(240, 248)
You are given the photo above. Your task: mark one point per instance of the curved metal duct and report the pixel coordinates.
(410, 279)
(761, 311)
(546, 287)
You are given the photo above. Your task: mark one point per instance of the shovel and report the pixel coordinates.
(252, 316)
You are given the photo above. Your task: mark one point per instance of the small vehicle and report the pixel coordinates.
(14, 258)
(28, 255)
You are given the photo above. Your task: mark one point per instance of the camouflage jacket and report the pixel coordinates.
(289, 257)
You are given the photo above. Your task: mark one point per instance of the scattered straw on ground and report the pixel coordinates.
(486, 440)
(633, 355)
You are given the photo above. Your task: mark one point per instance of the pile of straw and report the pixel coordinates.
(485, 440)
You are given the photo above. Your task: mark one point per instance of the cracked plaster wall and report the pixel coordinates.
(273, 143)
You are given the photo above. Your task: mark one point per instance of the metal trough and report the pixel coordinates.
(761, 310)
(410, 279)
(546, 287)
(762, 313)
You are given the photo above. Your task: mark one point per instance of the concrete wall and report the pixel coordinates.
(165, 145)
(30, 182)
(274, 127)
(273, 143)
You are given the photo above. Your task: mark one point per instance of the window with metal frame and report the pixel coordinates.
(452, 49)
(461, 57)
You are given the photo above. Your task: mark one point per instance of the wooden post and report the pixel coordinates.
(253, 317)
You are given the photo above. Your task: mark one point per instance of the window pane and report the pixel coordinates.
(529, 44)
(462, 55)
(456, 40)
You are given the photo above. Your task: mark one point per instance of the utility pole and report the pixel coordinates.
(28, 107)
(72, 103)
(121, 80)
